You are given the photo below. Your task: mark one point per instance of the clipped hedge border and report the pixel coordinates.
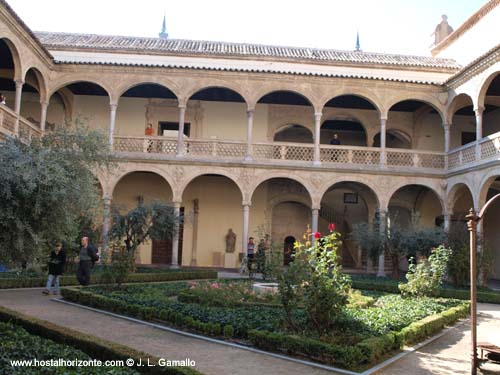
(33, 282)
(367, 351)
(93, 346)
(392, 287)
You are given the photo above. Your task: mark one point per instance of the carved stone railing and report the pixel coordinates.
(334, 156)
(469, 155)
(8, 121)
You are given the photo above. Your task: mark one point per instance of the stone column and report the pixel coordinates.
(315, 220)
(446, 221)
(106, 225)
(317, 133)
(175, 237)
(381, 258)
(446, 128)
(112, 120)
(19, 91)
(383, 154)
(17, 104)
(479, 130)
(180, 134)
(43, 115)
(250, 113)
(246, 220)
(194, 247)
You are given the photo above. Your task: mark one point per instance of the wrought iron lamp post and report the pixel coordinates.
(473, 219)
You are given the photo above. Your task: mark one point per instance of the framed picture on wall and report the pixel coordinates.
(351, 198)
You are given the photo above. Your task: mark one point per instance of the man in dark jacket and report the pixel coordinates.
(56, 268)
(88, 256)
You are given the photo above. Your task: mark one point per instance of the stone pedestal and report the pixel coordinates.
(230, 260)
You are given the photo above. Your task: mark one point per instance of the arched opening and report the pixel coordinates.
(88, 102)
(212, 204)
(421, 119)
(490, 230)
(491, 114)
(293, 133)
(146, 187)
(460, 201)
(30, 97)
(463, 121)
(349, 116)
(418, 203)
(288, 250)
(394, 139)
(281, 207)
(279, 107)
(148, 103)
(217, 113)
(8, 72)
(346, 204)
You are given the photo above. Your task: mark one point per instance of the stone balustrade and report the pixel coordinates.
(10, 122)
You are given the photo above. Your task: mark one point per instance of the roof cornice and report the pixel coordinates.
(466, 26)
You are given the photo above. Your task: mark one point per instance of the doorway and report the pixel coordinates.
(288, 250)
(161, 252)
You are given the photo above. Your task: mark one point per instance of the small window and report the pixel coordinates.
(173, 126)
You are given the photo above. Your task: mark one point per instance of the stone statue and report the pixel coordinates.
(442, 30)
(230, 241)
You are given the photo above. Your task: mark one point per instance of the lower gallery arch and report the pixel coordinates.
(128, 192)
(281, 209)
(212, 206)
(413, 204)
(490, 231)
(346, 204)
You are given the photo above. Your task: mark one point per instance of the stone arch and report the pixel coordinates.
(16, 57)
(483, 87)
(41, 81)
(289, 198)
(186, 96)
(288, 125)
(392, 189)
(348, 117)
(369, 97)
(122, 89)
(260, 179)
(452, 195)
(458, 102)
(484, 186)
(364, 185)
(190, 177)
(401, 135)
(70, 79)
(430, 101)
(129, 169)
(259, 94)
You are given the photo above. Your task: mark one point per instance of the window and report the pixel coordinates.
(173, 126)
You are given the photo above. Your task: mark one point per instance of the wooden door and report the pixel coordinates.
(162, 249)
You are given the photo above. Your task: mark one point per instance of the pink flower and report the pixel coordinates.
(331, 227)
(317, 235)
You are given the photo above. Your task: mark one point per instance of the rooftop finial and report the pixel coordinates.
(163, 34)
(358, 45)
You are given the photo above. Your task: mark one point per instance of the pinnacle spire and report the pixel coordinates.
(358, 45)
(163, 34)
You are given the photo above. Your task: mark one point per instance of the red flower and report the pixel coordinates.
(331, 227)
(317, 235)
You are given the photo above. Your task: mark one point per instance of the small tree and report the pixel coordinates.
(156, 221)
(425, 277)
(47, 186)
(369, 237)
(315, 281)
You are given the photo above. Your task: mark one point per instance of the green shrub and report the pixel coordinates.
(425, 277)
(91, 345)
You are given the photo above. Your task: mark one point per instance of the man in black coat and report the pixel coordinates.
(56, 268)
(88, 256)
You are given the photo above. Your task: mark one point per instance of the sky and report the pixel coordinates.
(389, 26)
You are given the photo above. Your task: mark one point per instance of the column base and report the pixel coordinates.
(193, 263)
(316, 163)
(174, 267)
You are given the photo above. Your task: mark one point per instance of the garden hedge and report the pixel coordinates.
(93, 346)
(365, 352)
(391, 286)
(32, 282)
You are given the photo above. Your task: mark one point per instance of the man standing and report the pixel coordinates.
(335, 140)
(88, 256)
(250, 253)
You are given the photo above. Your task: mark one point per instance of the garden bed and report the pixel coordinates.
(372, 325)
(27, 338)
(32, 280)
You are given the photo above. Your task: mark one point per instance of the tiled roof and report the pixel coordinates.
(56, 40)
